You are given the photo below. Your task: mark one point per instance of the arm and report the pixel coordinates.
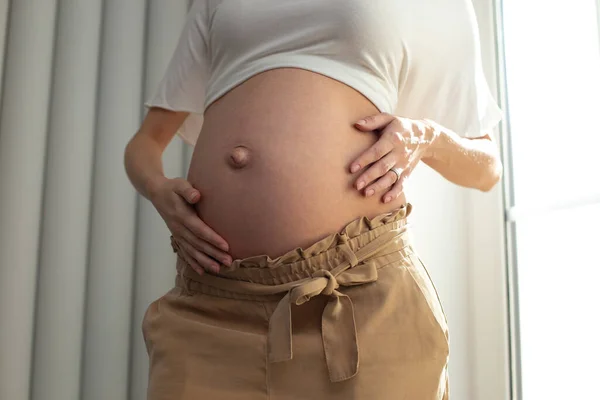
(199, 245)
(143, 154)
(178, 105)
(470, 162)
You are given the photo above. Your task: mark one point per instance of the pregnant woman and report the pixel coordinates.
(296, 277)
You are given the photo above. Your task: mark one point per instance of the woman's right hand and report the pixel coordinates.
(197, 243)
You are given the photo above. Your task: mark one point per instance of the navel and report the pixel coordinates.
(239, 157)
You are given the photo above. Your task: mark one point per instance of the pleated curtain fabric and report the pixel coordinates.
(81, 254)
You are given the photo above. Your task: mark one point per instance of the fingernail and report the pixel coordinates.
(361, 122)
(354, 168)
(226, 261)
(370, 192)
(224, 246)
(215, 268)
(360, 185)
(387, 199)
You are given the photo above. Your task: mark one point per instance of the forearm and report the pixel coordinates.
(143, 163)
(470, 162)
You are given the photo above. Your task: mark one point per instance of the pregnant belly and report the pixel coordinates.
(272, 162)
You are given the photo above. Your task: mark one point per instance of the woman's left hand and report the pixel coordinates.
(402, 143)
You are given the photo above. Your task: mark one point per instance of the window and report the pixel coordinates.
(552, 91)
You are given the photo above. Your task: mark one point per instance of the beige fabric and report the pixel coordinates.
(353, 316)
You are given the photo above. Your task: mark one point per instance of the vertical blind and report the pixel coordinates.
(81, 254)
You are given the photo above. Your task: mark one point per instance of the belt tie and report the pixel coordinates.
(338, 323)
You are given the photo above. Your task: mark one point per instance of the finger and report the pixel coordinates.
(205, 247)
(190, 260)
(204, 232)
(394, 136)
(398, 187)
(386, 181)
(186, 190)
(203, 260)
(373, 122)
(379, 169)
(376, 152)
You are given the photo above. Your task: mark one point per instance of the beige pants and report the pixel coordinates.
(353, 316)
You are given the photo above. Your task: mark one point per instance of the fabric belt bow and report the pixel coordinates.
(338, 323)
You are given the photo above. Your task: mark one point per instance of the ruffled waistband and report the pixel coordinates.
(325, 254)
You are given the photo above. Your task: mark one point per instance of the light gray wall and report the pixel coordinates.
(81, 255)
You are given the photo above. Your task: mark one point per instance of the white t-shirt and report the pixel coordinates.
(412, 58)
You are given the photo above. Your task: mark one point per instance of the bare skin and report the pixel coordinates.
(272, 166)
(298, 138)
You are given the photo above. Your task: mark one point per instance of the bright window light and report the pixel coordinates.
(552, 59)
(553, 76)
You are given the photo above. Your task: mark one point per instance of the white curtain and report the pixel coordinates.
(81, 254)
